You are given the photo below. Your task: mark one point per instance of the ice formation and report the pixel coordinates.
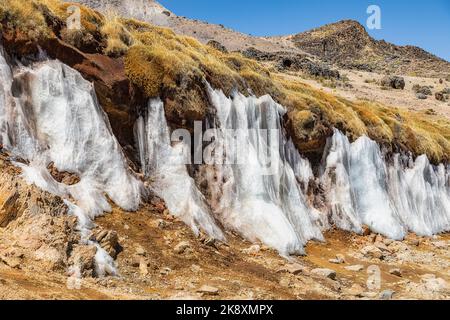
(166, 165)
(256, 193)
(391, 197)
(252, 180)
(49, 115)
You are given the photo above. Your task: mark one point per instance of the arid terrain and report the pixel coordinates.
(157, 256)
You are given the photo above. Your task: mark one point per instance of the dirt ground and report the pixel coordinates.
(150, 267)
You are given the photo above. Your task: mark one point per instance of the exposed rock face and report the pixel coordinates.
(35, 227)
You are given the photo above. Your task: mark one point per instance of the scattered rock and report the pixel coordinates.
(440, 96)
(182, 247)
(252, 250)
(293, 268)
(421, 96)
(394, 82)
(355, 290)
(162, 224)
(326, 273)
(208, 290)
(12, 262)
(355, 268)
(366, 231)
(143, 267)
(387, 295)
(340, 259)
(210, 242)
(165, 271)
(440, 244)
(396, 272)
(141, 251)
(433, 284)
(424, 90)
(372, 252)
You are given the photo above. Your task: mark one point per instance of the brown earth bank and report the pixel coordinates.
(158, 257)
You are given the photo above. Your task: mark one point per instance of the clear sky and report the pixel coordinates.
(424, 23)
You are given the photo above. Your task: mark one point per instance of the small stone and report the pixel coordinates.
(140, 251)
(208, 290)
(387, 295)
(340, 259)
(388, 242)
(326, 273)
(355, 268)
(355, 290)
(293, 268)
(165, 271)
(440, 244)
(210, 242)
(252, 250)
(162, 224)
(182, 247)
(143, 267)
(366, 231)
(396, 272)
(12, 262)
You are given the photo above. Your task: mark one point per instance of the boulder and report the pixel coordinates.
(394, 82)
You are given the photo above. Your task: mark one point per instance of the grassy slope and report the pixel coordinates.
(157, 60)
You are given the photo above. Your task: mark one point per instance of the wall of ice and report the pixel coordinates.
(391, 197)
(252, 180)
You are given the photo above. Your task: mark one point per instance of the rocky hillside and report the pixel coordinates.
(347, 44)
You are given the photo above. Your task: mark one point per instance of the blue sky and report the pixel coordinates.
(417, 22)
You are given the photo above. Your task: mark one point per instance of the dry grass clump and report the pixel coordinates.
(25, 18)
(119, 39)
(163, 60)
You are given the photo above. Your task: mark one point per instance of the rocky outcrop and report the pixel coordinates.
(347, 44)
